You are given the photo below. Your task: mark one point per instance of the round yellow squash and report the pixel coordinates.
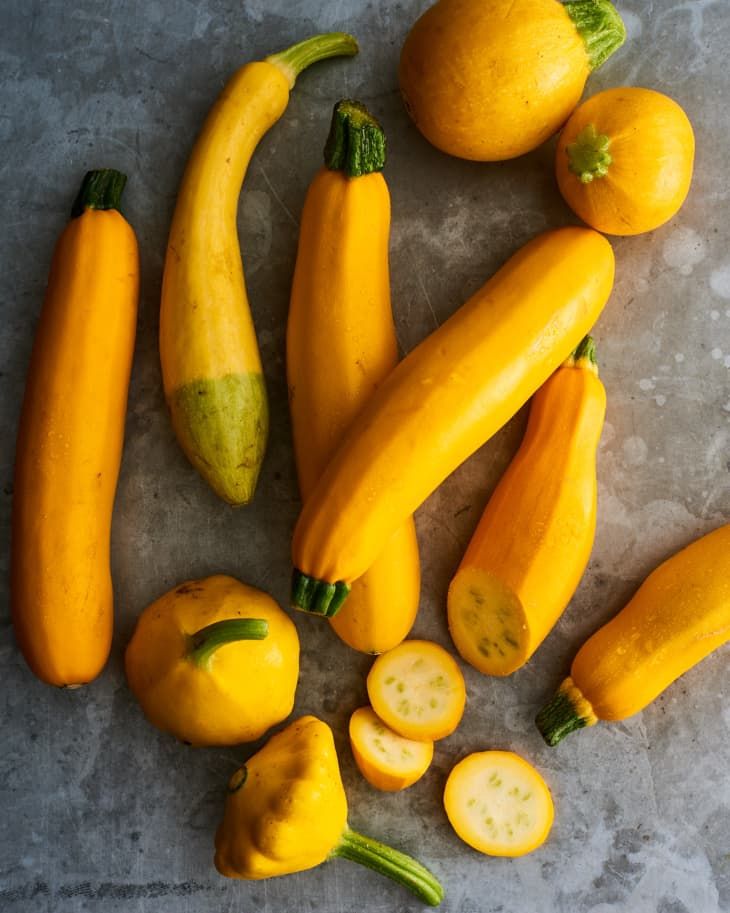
(624, 160)
(492, 79)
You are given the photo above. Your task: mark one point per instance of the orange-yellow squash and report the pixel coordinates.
(679, 615)
(211, 367)
(624, 160)
(70, 438)
(493, 79)
(535, 537)
(341, 344)
(443, 401)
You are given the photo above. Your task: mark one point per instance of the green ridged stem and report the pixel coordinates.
(100, 189)
(558, 718)
(207, 640)
(318, 597)
(319, 47)
(401, 868)
(600, 26)
(588, 156)
(584, 354)
(356, 141)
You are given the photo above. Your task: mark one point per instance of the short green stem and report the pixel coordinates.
(584, 355)
(600, 26)
(319, 47)
(318, 597)
(204, 643)
(403, 869)
(588, 156)
(100, 189)
(565, 713)
(356, 141)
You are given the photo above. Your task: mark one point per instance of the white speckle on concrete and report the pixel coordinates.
(660, 399)
(720, 281)
(679, 358)
(726, 361)
(715, 315)
(646, 384)
(684, 249)
(716, 354)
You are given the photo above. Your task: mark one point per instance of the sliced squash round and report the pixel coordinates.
(386, 760)
(498, 803)
(417, 689)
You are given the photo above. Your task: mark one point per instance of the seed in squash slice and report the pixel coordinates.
(386, 760)
(418, 690)
(498, 803)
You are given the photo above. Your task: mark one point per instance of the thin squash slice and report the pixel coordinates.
(418, 690)
(388, 761)
(498, 803)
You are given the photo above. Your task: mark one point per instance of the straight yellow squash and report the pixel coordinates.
(679, 615)
(533, 542)
(211, 368)
(443, 401)
(70, 440)
(341, 344)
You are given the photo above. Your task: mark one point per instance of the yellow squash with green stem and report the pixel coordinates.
(214, 662)
(341, 345)
(286, 811)
(442, 402)
(624, 160)
(533, 542)
(679, 615)
(70, 438)
(211, 368)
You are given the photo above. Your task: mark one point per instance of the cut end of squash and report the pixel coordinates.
(386, 760)
(487, 622)
(417, 689)
(498, 804)
(567, 711)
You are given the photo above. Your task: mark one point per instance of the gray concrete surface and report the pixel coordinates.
(102, 813)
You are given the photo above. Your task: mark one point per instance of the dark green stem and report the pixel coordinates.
(207, 640)
(565, 713)
(584, 353)
(319, 47)
(356, 141)
(100, 189)
(317, 596)
(393, 864)
(600, 27)
(588, 156)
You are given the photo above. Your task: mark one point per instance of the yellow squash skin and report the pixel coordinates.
(239, 691)
(286, 810)
(341, 344)
(211, 368)
(632, 170)
(69, 450)
(492, 79)
(533, 542)
(679, 615)
(449, 396)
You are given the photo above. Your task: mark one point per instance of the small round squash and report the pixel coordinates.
(214, 662)
(624, 160)
(492, 79)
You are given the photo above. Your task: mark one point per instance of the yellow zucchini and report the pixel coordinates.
(442, 402)
(533, 542)
(341, 344)
(679, 615)
(211, 367)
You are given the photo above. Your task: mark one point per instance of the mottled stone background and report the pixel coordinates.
(101, 812)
